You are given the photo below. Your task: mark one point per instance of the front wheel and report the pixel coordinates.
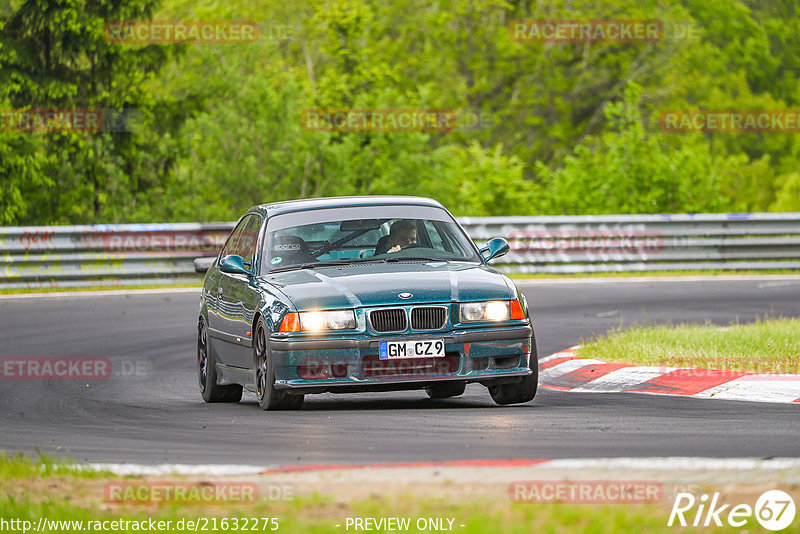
(522, 391)
(269, 398)
(207, 372)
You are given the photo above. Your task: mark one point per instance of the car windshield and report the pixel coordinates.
(377, 234)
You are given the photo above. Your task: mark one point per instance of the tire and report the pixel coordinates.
(269, 398)
(207, 372)
(522, 391)
(446, 390)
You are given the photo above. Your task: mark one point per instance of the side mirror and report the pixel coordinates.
(495, 247)
(202, 265)
(233, 264)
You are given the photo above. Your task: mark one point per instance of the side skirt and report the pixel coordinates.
(227, 374)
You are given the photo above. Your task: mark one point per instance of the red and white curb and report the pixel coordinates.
(566, 371)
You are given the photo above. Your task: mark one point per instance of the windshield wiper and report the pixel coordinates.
(328, 263)
(368, 260)
(414, 258)
(305, 266)
(331, 263)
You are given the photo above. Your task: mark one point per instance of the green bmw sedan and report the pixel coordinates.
(355, 294)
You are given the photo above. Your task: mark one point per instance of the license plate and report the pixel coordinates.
(411, 349)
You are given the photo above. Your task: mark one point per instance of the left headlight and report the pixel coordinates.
(493, 310)
(317, 321)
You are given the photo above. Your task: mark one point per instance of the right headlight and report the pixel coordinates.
(492, 310)
(315, 321)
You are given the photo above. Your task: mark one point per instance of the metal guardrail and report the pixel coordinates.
(631, 243)
(106, 254)
(127, 254)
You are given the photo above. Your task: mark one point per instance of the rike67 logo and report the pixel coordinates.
(774, 510)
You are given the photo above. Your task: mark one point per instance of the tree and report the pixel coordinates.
(55, 55)
(627, 170)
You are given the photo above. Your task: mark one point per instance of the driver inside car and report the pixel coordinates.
(401, 234)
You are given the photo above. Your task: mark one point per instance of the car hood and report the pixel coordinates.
(370, 284)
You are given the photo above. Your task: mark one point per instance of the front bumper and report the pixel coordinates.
(313, 365)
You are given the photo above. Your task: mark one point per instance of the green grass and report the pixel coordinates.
(309, 516)
(34, 488)
(766, 346)
(317, 515)
(20, 466)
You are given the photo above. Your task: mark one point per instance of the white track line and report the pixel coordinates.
(649, 279)
(669, 464)
(177, 469)
(774, 389)
(104, 293)
(675, 463)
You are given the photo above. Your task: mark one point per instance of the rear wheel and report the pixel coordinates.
(446, 390)
(269, 398)
(522, 391)
(207, 372)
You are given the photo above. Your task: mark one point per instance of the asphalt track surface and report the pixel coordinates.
(154, 413)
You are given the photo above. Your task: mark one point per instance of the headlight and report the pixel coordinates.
(314, 321)
(494, 310)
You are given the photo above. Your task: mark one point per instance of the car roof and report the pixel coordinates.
(289, 206)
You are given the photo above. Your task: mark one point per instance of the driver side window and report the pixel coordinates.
(233, 240)
(246, 246)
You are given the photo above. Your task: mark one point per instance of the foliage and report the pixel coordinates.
(573, 127)
(55, 56)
